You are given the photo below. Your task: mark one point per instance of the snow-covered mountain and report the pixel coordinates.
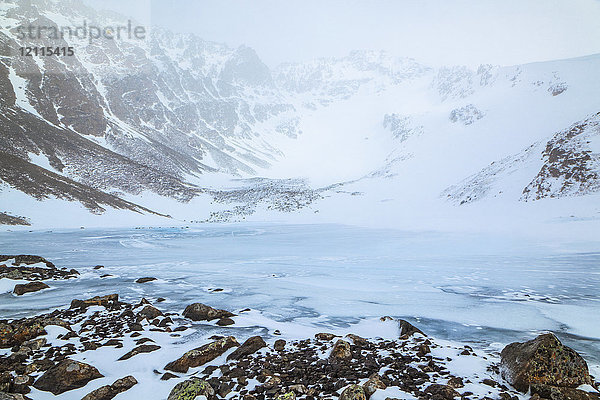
(205, 132)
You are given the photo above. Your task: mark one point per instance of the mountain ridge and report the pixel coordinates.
(179, 117)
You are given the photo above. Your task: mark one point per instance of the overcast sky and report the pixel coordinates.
(435, 32)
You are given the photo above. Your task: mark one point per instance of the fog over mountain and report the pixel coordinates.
(175, 128)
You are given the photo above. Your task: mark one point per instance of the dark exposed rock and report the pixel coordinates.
(407, 329)
(150, 312)
(325, 336)
(191, 389)
(108, 392)
(8, 219)
(562, 393)
(108, 301)
(372, 385)
(16, 332)
(250, 346)
(21, 289)
(66, 375)
(27, 259)
(143, 301)
(287, 396)
(353, 392)
(570, 165)
(441, 392)
(489, 382)
(357, 340)
(543, 360)
(167, 375)
(31, 273)
(144, 348)
(341, 351)
(35, 344)
(279, 344)
(225, 322)
(145, 279)
(202, 312)
(11, 396)
(455, 382)
(202, 355)
(423, 349)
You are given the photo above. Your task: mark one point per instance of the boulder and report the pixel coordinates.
(407, 329)
(108, 301)
(167, 375)
(30, 287)
(202, 355)
(353, 392)
(441, 392)
(225, 322)
(357, 340)
(145, 279)
(455, 382)
(287, 396)
(325, 336)
(279, 344)
(144, 348)
(191, 389)
(341, 351)
(372, 385)
(66, 375)
(250, 346)
(108, 392)
(202, 312)
(562, 393)
(543, 360)
(150, 312)
(15, 333)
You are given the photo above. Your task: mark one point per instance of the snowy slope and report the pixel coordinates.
(171, 122)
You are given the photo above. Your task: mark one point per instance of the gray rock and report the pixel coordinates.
(202, 312)
(250, 346)
(353, 392)
(30, 287)
(191, 389)
(144, 348)
(407, 329)
(66, 375)
(108, 392)
(441, 392)
(202, 355)
(543, 360)
(341, 351)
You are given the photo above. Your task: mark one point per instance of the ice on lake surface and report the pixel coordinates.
(484, 290)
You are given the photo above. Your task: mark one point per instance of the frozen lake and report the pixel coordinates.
(482, 290)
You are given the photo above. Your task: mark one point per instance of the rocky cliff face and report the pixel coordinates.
(570, 166)
(571, 163)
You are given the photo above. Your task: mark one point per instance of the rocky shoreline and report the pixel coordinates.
(44, 353)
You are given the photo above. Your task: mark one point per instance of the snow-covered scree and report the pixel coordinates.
(301, 280)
